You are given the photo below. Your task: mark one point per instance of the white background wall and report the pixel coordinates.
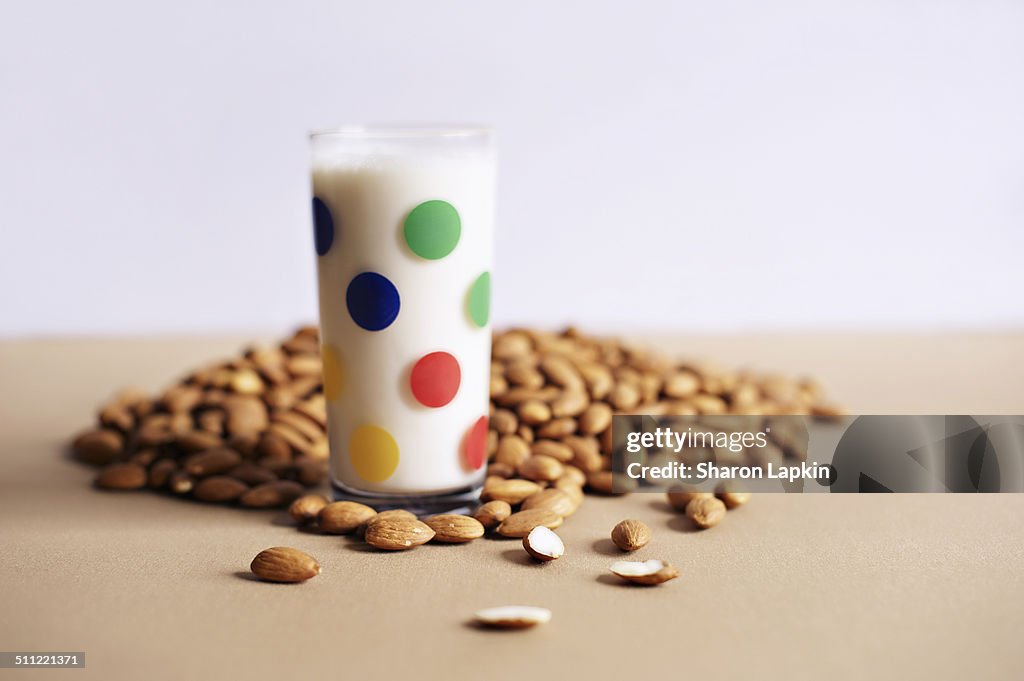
(700, 166)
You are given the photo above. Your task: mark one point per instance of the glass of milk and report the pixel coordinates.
(403, 227)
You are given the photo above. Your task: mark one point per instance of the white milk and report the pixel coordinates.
(369, 195)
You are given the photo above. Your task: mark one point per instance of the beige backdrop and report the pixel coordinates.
(891, 586)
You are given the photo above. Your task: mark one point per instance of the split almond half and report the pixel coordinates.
(543, 544)
(513, 617)
(648, 572)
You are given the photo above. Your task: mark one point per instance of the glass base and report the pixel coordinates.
(464, 501)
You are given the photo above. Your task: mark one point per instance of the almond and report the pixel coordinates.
(284, 564)
(212, 462)
(306, 508)
(512, 451)
(343, 517)
(705, 512)
(600, 481)
(679, 498)
(452, 528)
(397, 534)
(272, 494)
(541, 468)
(734, 499)
(552, 499)
(534, 412)
(122, 476)
(160, 473)
(510, 491)
(219, 488)
(543, 544)
(513, 617)
(556, 450)
(647, 573)
(493, 513)
(99, 447)
(630, 535)
(519, 524)
(595, 419)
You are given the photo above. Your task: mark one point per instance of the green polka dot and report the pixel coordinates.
(432, 229)
(478, 303)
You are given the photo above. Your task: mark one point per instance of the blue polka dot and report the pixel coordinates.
(372, 301)
(323, 227)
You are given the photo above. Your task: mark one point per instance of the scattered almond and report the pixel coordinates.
(453, 528)
(397, 534)
(343, 517)
(705, 512)
(306, 508)
(519, 524)
(647, 573)
(543, 544)
(492, 513)
(678, 499)
(513, 617)
(219, 488)
(284, 564)
(734, 499)
(630, 535)
(271, 494)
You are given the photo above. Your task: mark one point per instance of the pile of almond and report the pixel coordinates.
(251, 430)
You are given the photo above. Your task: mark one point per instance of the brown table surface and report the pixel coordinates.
(815, 586)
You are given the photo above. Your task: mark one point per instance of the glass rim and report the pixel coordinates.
(400, 131)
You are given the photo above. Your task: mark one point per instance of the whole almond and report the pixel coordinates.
(512, 491)
(453, 528)
(306, 508)
(122, 476)
(197, 441)
(272, 494)
(570, 403)
(534, 412)
(212, 462)
(734, 499)
(493, 513)
(160, 472)
(600, 482)
(556, 450)
(705, 512)
(512, 451)
(519, 524)
(595, 419)
(343, 517)
(552, 499)
(541, 468)
(397, 534)
(252, 474)
(574, 475)
(630, 535)
(679, 499)
(98, 447)
(500, 470)
(219, 488)
(284, 564)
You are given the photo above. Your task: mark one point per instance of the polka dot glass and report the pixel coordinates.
(402, 229)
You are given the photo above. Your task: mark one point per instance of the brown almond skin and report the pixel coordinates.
(212, 462)
(552, 499)
(160, 473)
(519, 524)
(122, 476)
(512, 491)
(493, 513)
(630, 535)
(397, 534)
(284, 565)
(600, 482)
(272, 494)
(306, 508)
(705, 512)
(679, 499)
(99, 447)
(343, 517)
(663, 575)
(541, 468)
(219, 488)
(734, 499)
(452, 528)
(252, 474)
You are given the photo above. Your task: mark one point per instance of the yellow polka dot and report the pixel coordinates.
(374, 453)
(333, 377)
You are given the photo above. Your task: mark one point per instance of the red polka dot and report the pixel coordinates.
(475, 444)
(435, 379)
